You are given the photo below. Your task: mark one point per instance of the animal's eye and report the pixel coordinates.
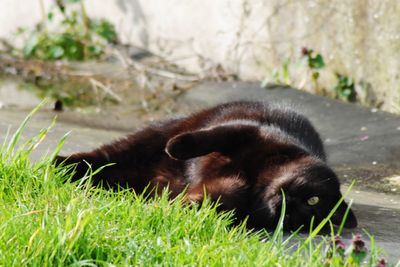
(313, 201)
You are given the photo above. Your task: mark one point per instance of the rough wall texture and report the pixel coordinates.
(358, 38)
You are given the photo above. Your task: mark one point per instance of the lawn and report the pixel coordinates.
(45, 221)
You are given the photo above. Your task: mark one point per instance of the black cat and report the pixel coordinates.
(243, 154)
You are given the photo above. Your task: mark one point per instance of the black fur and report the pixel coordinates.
(242, 153)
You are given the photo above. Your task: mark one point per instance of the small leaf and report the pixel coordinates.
(106, 30)
(94, 50)
(315, 75)
(264, 83)
(56, 52)
(316, 62)
(31, 45)
(50, 16)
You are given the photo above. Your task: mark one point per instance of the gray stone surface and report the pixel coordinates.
(80, 138)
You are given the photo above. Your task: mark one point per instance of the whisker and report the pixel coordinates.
(262, 208)
(323, 181)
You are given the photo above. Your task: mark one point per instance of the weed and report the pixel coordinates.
(279, 75)
(314, 62)
(282, 76)
(66, 32)
(344, 88)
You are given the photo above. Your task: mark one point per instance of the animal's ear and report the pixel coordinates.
(224, 139)
(338, 217)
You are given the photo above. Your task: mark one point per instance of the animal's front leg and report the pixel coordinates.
(131, 160)
(84, 163)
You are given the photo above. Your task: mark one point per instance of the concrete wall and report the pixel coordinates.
(359, 38)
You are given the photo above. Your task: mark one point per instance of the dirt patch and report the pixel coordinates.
(379, 177)
(122, 89)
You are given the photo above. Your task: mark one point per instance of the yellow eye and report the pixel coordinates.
(313, 201)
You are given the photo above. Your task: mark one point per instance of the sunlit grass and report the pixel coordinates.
(47, 222)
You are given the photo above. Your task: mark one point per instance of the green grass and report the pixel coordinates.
(46, 222)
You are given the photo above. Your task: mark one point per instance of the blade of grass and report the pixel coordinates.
(59, 146)
(35, 142)
(339, 232)
(279, 228)
(17, 135)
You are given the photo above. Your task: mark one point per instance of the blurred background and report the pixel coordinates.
(349, 50)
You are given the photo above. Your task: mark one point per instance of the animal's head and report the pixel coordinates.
(248, 167)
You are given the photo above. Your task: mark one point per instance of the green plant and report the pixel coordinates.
(66, 32)
(279, 76)
(282, 76)
(345, 88)
(315, 62)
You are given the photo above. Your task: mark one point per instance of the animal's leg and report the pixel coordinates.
(129, 159)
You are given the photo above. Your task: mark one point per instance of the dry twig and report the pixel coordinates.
(96, 84)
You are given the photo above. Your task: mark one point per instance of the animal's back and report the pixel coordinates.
(288, 121)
